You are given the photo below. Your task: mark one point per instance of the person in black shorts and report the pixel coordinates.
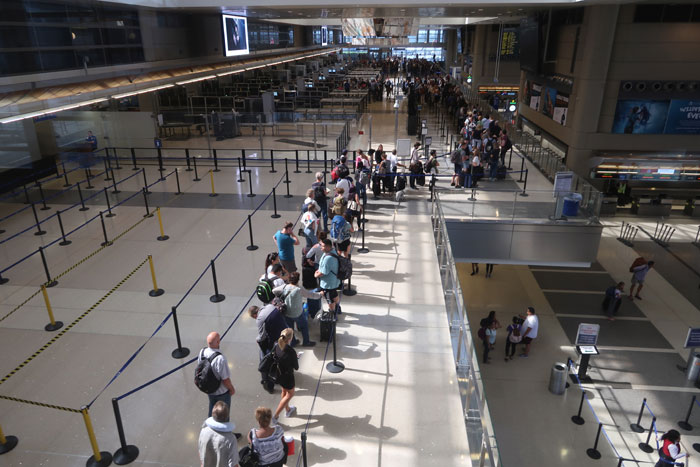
(288, 362)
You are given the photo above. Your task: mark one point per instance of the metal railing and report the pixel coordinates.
(477, 417)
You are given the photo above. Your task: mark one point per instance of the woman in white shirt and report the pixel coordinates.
(310, 222)
(268, 441)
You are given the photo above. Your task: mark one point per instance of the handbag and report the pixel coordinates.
(247, 457)
(269, 365)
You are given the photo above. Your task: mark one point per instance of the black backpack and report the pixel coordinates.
(204, 377)
(319, 193)
(344, 267)
(343, 171)
(264, 290)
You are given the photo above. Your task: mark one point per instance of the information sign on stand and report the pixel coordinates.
(586, 340)
(563, 182)
(693, 338)
(587, 334)
(428, 140)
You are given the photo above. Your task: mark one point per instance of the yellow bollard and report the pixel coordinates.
(53, 324)
(213, 192)
(156, 292)
(7, 444)
(162, 237)
(98, 458)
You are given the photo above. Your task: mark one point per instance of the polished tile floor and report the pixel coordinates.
(396, 404)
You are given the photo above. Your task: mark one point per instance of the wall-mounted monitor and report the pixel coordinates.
(324, 35)
(235, 29)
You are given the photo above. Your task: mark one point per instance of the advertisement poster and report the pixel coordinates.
(535, 92)
(640, 117)
(561, 108)
(683, 118)
(235, 35)
(550, 97)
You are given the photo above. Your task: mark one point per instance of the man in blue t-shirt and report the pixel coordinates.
(286, 240)
(92, 141)
(328, 274)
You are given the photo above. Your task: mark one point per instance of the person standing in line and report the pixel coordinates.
(670, 450)
(268, 441)
(413, 165)
(639, 275)
(270, 323)
(327, 274)
(475, 269)
(217, 444)
(489, 339)
(220, 367)
(529, 330)
(310, 223)
(293, 296)
(321, 198)
(310, 200)
(288, 363)
(286, 240)
(513, 337)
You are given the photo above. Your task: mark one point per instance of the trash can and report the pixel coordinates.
(693, 370)
(571, 205)
(557, 378)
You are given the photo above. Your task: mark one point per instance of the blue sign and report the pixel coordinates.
(158, 143)
(693, 338)
(640, 117)
(587, 334)
(683, 118)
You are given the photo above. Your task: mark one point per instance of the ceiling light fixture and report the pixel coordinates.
(142, 91)
(61, 108)
(194, 80)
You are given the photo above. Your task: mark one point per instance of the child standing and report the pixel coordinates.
(489, 339)
(513, 338)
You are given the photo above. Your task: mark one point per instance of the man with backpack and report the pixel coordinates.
(212, 375)
(456, 159)
(639, 270)
(270, 323)
(321, 197)
(341, 230)
(328, 274)
(613, 300)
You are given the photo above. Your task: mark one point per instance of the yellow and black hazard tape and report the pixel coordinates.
(70, 269)
(40, 404)
(75, 321)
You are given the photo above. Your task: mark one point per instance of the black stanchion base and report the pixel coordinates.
(135, 168)
(289, 196)
(636, 428)
(106, 244)
(53, 327)
(4, 280)
(363, 250)
(273, 171)
(50, 284)
(646, 448)
(216, 298)
(251, 247)
(45, 208)
(10, 443)
(148, 215)
(156, 292)
(287, 182)
(523, 195)
(349, 292)
(308, 172)
(276, 216)
(696, 446)
(83, 209)
(162, 238)
(90, 187)
(41, 232)
(178, 193)
(251, 195)
(182, 352)
(197, 179)
(211, 195)
(66, 185)
(149, 192)
(335, 367)
(216, 170)
(2, 231)
(115, 192)
(685, 425)
(593, 453)
(240, 180)
(297, 172)
(189, 170)
(111, 214)
(578, 420)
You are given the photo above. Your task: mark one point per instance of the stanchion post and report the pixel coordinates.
(177, 181)
(26, 195)
(522, 168)
(525, 185)
(363, 249)
(64, 242)
(107, 177)
(98, 459)
(82, 201)
(109, 206)
(636, 427)
(145, 202)
(187, 160)
(250, 186)
(274, 203)
(684, 423)
(162, 236)
(7, 443)
(252, 246)
(104, 232)
(578, 419)
(335, 366)
(217, 297)
(156, 292)
(43, 198)
(349, 291)
(133, 159)
(145, 182)
(303, 448)
(53, 324)
(272, 161)
(646, 447)
(65, 177)
(115, 190)
(296, 162)
(240, 172)
(36, 220)
(161, 169)
(126, 453)
(593, 452)
(116, 159)
(287, 182)
(196, 175)
(180, 352)
(213, 191)
(87, 179)
(308, 162)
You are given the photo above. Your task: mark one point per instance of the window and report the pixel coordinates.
(433, 35)
(422, 36)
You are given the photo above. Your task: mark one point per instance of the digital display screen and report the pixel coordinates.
(235, 29)
(324, 35)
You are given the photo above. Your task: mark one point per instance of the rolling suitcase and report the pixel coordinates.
(326, 326)
(501, 172)
(400, 182)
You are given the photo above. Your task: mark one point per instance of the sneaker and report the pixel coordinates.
(275, 421)
(452, 184)
(308, 344)
(637, 297)
(292, 410)
(522, 355)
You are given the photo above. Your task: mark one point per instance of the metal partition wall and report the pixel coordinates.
(477, 418)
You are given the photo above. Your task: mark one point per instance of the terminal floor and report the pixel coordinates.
(396, 404)
(641, 351)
